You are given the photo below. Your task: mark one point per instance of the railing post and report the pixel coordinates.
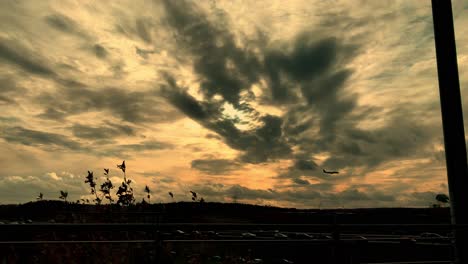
(452, 121)
(338, 245)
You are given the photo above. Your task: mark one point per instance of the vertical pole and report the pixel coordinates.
(452, 121)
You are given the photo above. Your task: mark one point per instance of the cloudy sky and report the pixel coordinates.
(236, 100)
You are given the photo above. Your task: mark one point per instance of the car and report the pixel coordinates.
(280, 236)
(248, 235)
(301, 236)
(432, 237)
(213, 234)
(407, 240)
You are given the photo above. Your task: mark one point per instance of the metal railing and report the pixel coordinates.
(339, 237)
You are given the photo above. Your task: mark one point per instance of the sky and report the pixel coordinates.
(242, 101)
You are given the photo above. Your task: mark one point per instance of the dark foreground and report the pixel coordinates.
(54, 232)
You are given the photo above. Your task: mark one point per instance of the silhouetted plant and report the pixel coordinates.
(148, 195)
(194, 196)
(39, 198)
(125, 192)
(63, 195)
(122, 167)
(106, 187)
(92, 184)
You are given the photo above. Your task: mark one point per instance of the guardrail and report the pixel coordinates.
(342, 239)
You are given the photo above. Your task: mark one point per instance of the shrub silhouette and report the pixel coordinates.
(194, 196)
(125, 192)
(106, 187)
(92, 184)
(148, 195)
(39, 198)
(63, 195)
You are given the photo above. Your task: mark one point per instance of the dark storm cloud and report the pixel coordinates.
(102, 132)
(308, 60)
(269, 141)
(258, 145)
(215, 166)
(311, 73)
(315, 68)
(225, 68)
(30, 137)
(14, 53)
(133, 107)
(297, 121)
(310, 69)
(402, 137)
(188, 105)
(312, 64)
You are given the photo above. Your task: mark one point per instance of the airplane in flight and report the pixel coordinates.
(330, 172)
